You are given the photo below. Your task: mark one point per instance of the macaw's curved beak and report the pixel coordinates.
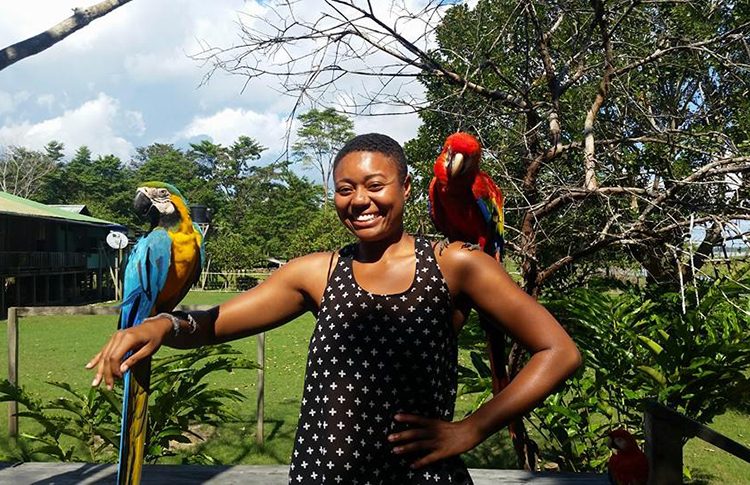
(455, 164)
(142, 204)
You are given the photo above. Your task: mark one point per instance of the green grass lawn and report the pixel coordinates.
(58, 348)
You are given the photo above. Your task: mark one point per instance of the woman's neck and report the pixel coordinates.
(371, 251)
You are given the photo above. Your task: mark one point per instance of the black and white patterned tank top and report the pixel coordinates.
(370, 357)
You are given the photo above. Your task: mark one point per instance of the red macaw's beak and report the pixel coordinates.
(455, 164)
(611, 443)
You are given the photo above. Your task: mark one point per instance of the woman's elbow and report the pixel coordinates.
(572, 358)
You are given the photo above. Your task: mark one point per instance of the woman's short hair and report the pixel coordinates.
(379, 143)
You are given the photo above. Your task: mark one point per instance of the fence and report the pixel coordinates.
(14, 261)
(239, 280)
(666, 433)
(15, 313)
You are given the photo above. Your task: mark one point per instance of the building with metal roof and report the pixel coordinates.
(53, 256)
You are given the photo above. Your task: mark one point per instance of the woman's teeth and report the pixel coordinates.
(365, 217)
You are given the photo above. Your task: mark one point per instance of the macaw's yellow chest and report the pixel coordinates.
(183, 268)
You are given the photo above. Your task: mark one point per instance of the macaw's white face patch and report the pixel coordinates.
(160, 198)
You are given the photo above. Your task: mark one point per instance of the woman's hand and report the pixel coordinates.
(437, 438)
(144, 340)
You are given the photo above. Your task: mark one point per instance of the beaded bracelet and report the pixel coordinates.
(176, 327)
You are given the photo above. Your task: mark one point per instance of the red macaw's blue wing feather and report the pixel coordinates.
(490, 201)
(145, 277)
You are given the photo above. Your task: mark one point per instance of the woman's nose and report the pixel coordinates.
(360, 197)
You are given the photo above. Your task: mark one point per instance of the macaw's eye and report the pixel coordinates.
(164, 192)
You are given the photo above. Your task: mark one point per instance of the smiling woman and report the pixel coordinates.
(380, 382)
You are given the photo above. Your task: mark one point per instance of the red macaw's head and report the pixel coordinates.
(459, 158)
(621, 440)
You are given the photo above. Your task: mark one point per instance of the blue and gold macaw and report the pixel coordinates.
(162, 267)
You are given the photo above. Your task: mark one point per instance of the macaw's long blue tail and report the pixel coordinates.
(134, 423)
(136, 388)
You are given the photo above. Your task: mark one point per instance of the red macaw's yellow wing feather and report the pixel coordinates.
(490, 201)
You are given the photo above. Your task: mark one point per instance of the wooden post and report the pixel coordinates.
(261, 382)
(13, 369)
(2, 297)
(663, 449)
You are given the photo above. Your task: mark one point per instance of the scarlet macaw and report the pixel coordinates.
(466, 205)
(628, 465)
(162, 267)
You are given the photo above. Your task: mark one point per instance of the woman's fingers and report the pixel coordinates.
(413, 419)
(94, 361)
(128, 363)
(101, 364)
(412, 435)
(414, 446)
(430, 458)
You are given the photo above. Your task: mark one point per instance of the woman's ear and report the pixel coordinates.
(407, 186)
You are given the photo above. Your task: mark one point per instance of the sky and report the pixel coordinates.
(126, 80)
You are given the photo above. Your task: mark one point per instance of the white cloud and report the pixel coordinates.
(46, 100)
(95, 123)
(10, 101)
(138, 54)
(401, 128)
(227, 125)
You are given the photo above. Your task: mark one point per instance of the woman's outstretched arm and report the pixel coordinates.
(289, 292)
(554, 357)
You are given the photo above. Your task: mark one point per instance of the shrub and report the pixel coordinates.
(179, 397)
(639, 344)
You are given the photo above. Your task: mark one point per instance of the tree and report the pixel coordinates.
(320, 137)
(165, 163)
(103, 184)
(34, 45)
(614, 128)
(226, 166)
(22, 170)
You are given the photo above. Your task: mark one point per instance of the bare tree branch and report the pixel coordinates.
(34, 45)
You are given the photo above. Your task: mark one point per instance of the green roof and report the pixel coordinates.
(12, 204)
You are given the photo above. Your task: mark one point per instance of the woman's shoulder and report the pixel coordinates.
(456, 251)
(460, 257)
(317, 265)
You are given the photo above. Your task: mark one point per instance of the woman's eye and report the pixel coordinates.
(375, 186)
(344, 190)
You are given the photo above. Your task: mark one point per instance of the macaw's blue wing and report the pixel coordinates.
(145, 277)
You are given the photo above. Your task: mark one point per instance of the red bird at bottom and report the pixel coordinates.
(628, 465)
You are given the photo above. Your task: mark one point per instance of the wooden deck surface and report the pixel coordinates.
(86, 473)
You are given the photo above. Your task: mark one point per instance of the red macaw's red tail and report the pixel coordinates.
(526, 449)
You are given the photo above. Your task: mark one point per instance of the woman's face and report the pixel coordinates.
(369, 195)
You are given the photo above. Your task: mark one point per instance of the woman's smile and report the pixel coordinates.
(366, 220)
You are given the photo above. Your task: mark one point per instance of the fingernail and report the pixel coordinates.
(95, 382)
(124, 368)
(397, 449)
(88, 365)
(109, 387)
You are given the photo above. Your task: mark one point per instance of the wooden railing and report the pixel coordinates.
(666, 433)
(14, 313)
(13, 261)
